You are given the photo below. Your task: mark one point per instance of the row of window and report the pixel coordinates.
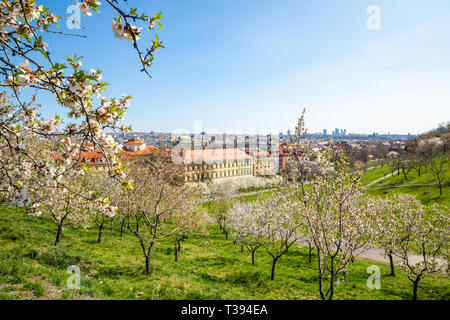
(218, 165)
(220, 174)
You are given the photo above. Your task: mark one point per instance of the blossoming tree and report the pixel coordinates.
(26, 63)
(60, 205)
(339, 217)
(300, 171)
(161, 205)
(388, 212)
(423, 231)
(188, 221)
(103, 189)
(246, 231)
(279, 223)
(220, 197)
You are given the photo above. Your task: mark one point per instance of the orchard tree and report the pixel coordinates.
(339, 217)
(427, 148)
(159, 199)
(105, 187)
(187, 222)
(423, 231)
(439, 169)
(28, 70)
(300, 169)
(406, 166)
(57, 198)
(62, 206)
(279, 223)
(388, 212)
(418, 163)
(220, 197)
(246, 231)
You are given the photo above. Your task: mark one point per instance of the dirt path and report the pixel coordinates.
(378, 180)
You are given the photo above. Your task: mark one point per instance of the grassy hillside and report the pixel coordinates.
(208, 268)
(419, 186)
(375, 173)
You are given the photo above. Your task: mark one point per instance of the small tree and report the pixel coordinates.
(158, 199)
(406, 166)
(279, 223)
(245, 229)
(425, 232)
(105, 187)
(438, 167)
(187, 222)
(339, 218)
(63, 206)
(418, 163)
(220, 198)
(388, 211)
(299, 169)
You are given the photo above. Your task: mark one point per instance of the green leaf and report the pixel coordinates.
(159, 24)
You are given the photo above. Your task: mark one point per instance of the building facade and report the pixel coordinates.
(204, 165)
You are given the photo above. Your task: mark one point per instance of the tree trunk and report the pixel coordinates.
(322, 296)
(253, 257)
(176, 250)
(100, 232)
(310, 253)
(242, 249)
(415, 287)
(121, 228)
(331, 288)
(226, 233)
(272, 276)
(147, 265)
(58, 235)
(179, 244)
(440, 189)
(391, 261)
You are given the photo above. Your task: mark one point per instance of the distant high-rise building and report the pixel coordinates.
(336, 131)
(289, 133)
(324, 132)
(343, 132)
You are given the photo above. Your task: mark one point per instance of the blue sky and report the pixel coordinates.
(253, 65)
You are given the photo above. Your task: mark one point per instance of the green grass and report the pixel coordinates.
(208, 268)
(375, 173)
(397, 184)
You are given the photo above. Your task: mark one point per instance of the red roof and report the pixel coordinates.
(135, 142)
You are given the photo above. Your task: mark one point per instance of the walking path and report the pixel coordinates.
(377, 255)
(378, 180)
(409, 185)
(400, 185)
(244, 194)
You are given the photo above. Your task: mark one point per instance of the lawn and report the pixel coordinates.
(375, 173)
(208, 268)
(428, 194)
